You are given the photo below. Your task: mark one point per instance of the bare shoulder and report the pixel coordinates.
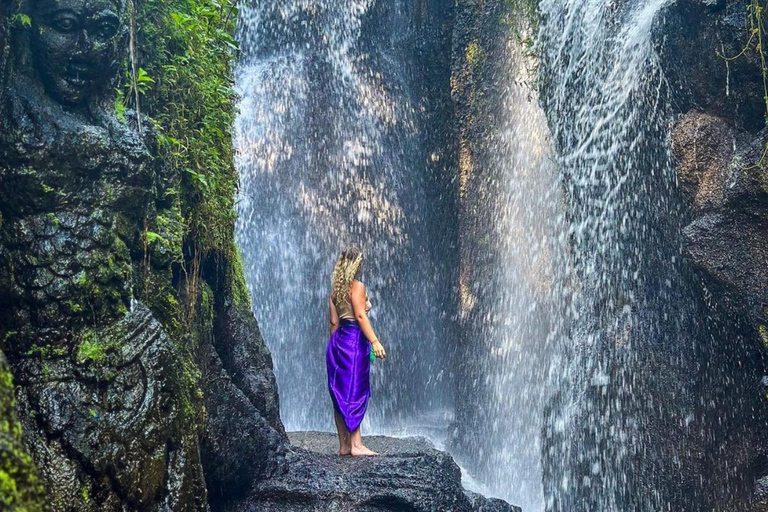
(357, 287)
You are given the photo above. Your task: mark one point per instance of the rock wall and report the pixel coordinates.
(142, 376)
(718, 140)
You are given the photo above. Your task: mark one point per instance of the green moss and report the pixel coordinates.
(171, 226)
(53, 218)
(96, 347)
(47, 351)
(239, 288)
(85, 494)
(763, 330)
(74, 307)
(90, 350)
(20, 488)
(475, 55)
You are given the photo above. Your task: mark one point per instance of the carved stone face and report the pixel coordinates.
(74, 43)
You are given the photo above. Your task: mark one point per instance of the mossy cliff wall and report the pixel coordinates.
(143, 382)
(20, 488)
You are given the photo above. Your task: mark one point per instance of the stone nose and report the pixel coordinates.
(85, 41)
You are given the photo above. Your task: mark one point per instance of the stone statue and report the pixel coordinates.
(75, 46)
(104, 390)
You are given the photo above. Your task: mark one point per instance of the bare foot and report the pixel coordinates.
(345, 451)
(362, 451)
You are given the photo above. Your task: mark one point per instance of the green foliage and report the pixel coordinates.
(154, 237)
(186, 52)
(120, 106)
(20, 489)
(21, 19)
(143, 81)
(90, 350)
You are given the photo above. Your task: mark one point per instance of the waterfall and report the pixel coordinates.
(512, 250)
(625, 429)
(576, 379)
(330, 152)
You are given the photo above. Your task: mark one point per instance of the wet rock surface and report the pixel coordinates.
(107, 322)
(725, 182)
(240, 446)
(723, 175)
(408, 475)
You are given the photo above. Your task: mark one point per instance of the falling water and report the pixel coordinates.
(511, 249)
(329, 154)
(621, 433)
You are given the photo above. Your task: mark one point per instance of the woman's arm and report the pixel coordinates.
(357, 294)
(333, 316)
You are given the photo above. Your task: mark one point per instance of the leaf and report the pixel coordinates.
(143, 77)
(199, 177)
(154, 237)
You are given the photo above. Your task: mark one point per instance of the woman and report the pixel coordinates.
(348, 353)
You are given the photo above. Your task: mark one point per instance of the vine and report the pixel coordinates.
(756, 28)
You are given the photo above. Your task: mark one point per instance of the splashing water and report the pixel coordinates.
(579, 315)
(629, 369)
(512, 214)
(329, 154)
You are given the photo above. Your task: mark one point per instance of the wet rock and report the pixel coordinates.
(240, 446)
(409, 475)
(732, 248)
(248, 361)
(723, 175)
(694, 36)
(116, 405)
(703, 145)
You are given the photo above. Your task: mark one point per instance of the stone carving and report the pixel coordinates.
(106, 402)
(74, 45)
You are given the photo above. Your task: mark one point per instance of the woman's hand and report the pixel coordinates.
(378, 349)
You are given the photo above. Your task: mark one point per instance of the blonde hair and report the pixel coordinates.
(346, 270)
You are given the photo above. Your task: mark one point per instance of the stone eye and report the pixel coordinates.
(106, 30)
(64, 24)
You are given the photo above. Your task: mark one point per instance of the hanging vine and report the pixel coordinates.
(756, 28)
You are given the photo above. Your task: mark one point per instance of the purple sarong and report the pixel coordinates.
(347, 357)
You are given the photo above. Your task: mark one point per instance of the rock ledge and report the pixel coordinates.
(410, 475)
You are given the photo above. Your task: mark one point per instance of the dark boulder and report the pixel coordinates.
(247, 360)
(410, 475)
(240, 446)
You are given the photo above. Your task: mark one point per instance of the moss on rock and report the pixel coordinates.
(20, 489)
